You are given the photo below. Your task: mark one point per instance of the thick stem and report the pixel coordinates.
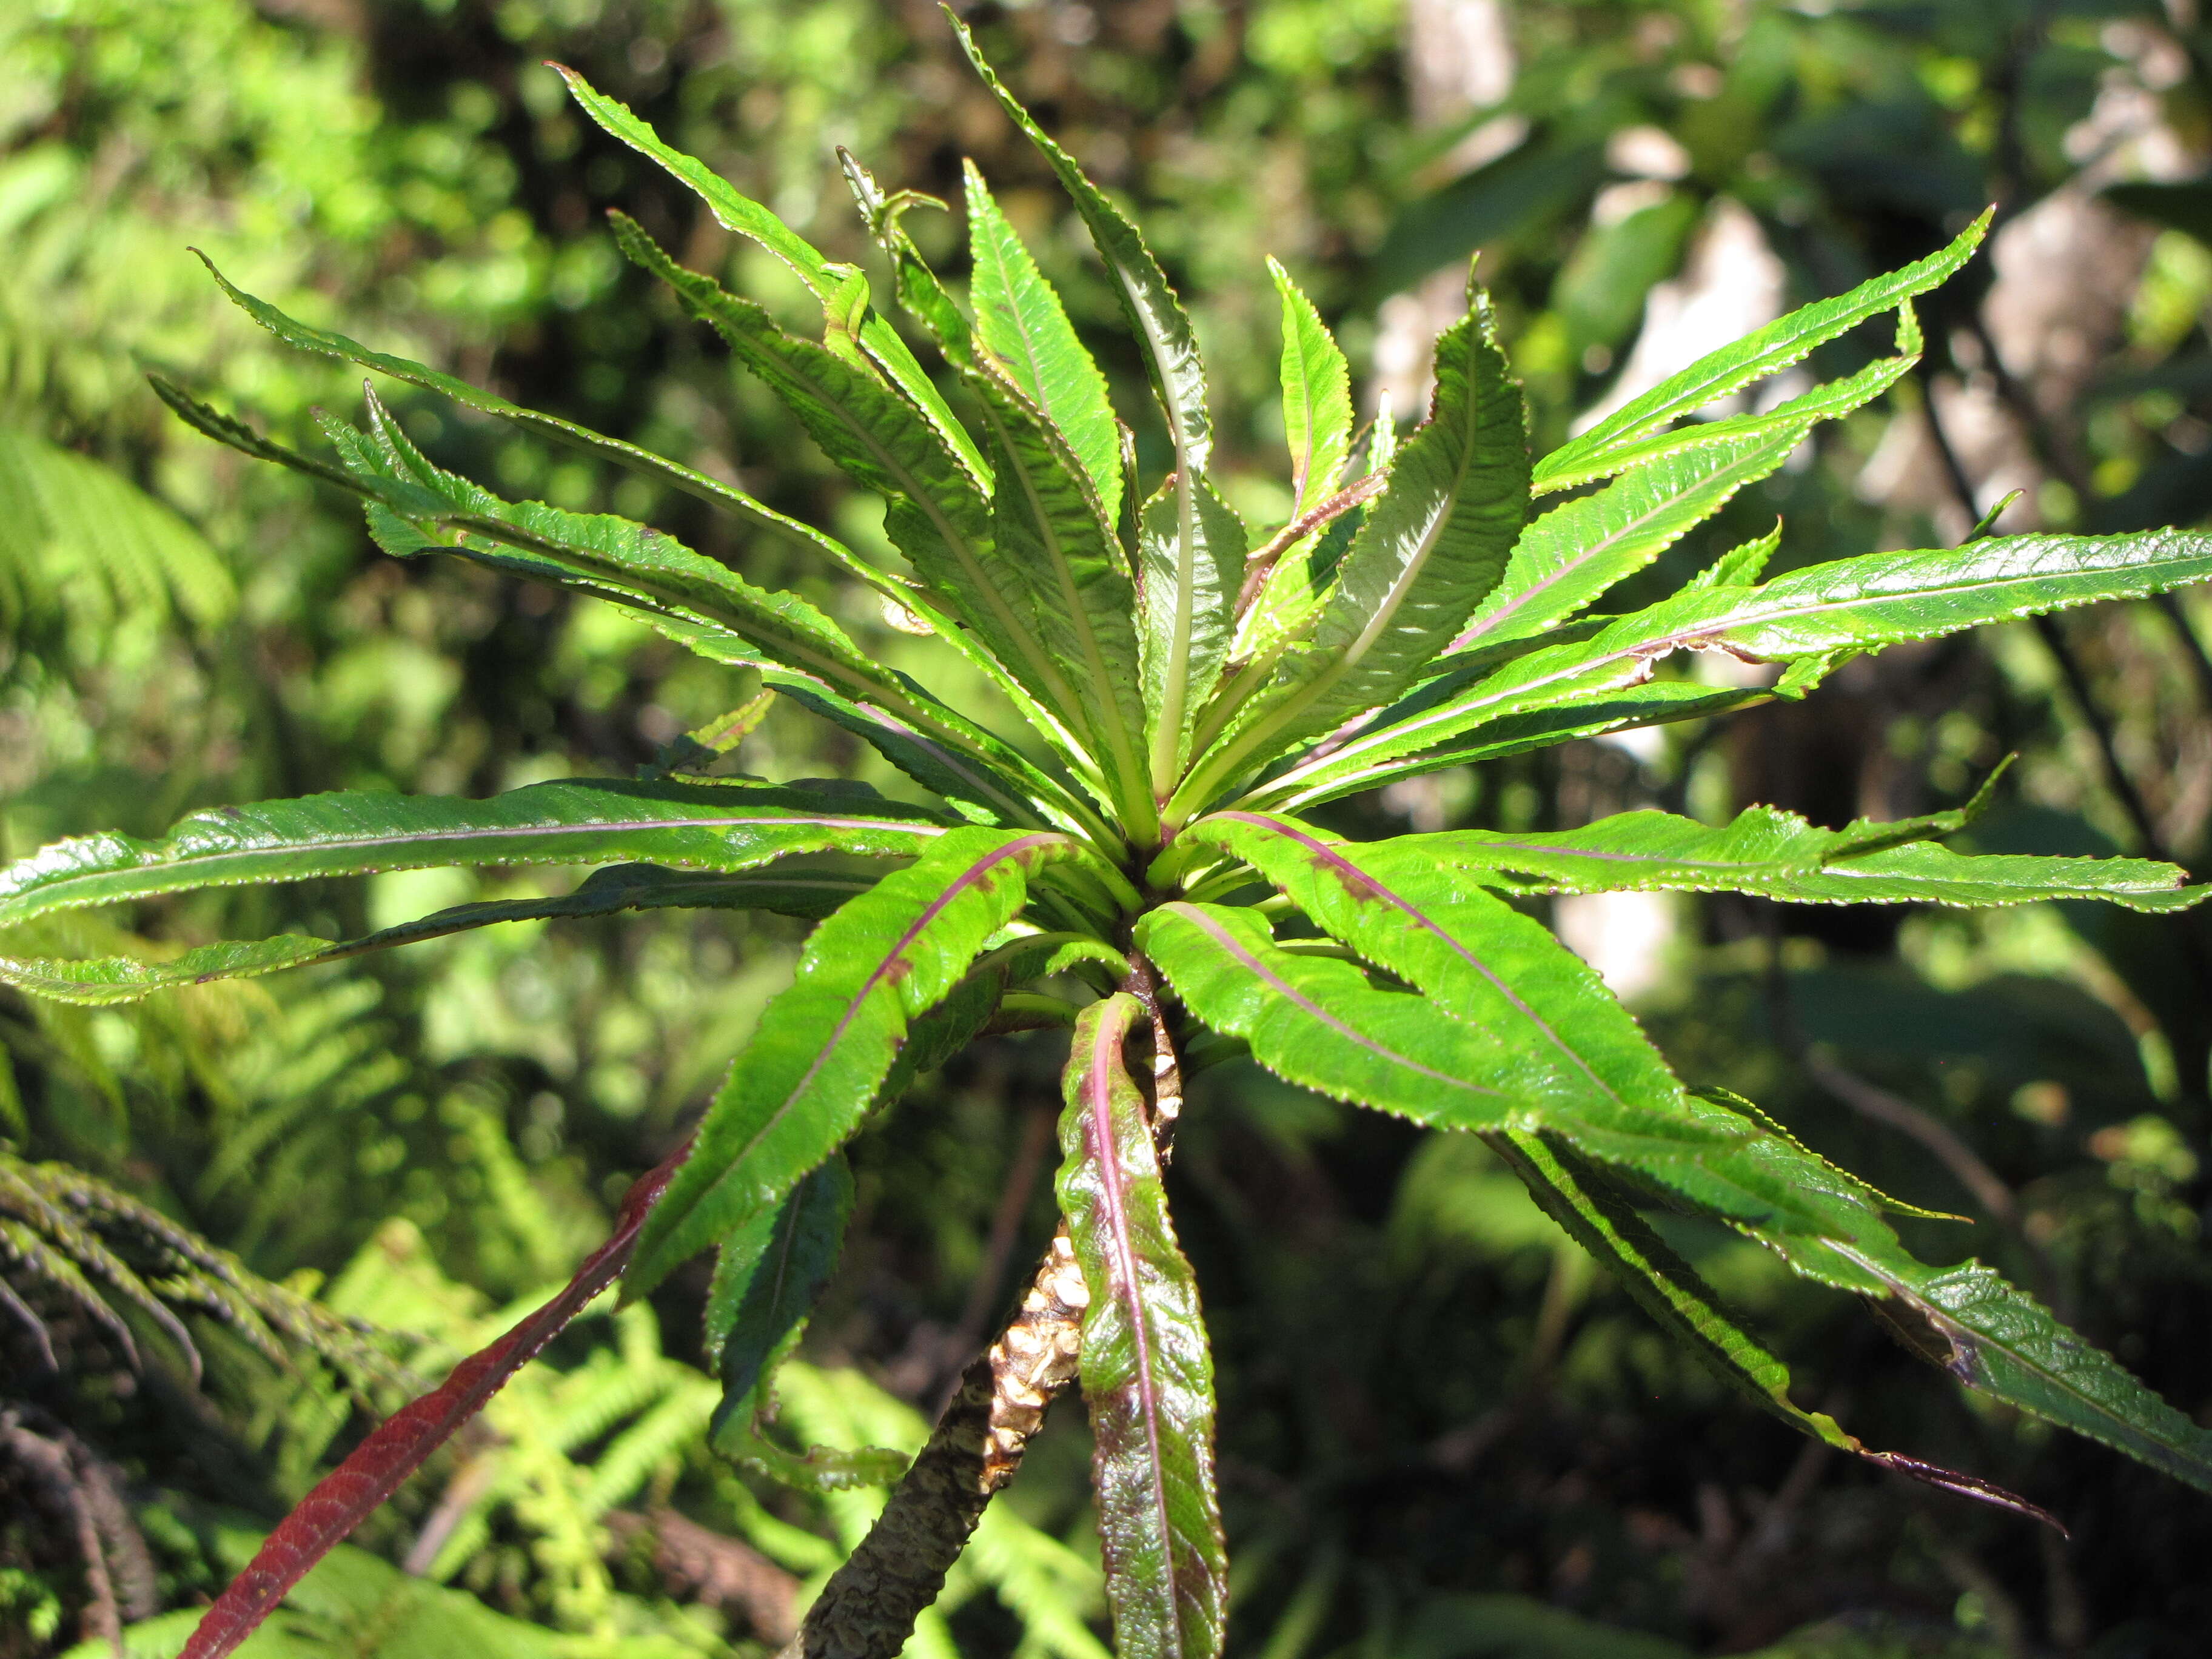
(867, 1609)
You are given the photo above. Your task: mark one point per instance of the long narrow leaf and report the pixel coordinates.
(1823, 403)
(768, 1275)
(1187, 540)
(748, 218)
(1772, 349)
(1155, 317)
(1020, 321)
(824, 1047)
(1850, 605)
(1163, 330)
(794, 887)
(1571, 555)
(936, 515)
(714, 491)
(1483, 968)
(1581, 1199)
(573, 821)
(1657, 702)
(398, 1448)
(1316, 398)
(1427, 551)
(1780, 855)
(1147, 1372)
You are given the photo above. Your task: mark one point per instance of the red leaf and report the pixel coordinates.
(398, 1448)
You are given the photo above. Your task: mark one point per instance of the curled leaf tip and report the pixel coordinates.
(1966, 1486)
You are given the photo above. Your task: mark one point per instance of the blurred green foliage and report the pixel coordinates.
(1443, 1436)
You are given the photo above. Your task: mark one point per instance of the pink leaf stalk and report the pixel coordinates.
(345, 1497)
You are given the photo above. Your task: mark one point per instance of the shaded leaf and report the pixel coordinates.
(1155, 317)
(1147, 1370)
(768, 1275)
(935, 515)
(714, 491)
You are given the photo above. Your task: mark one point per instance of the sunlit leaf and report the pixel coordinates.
(1147, 1370)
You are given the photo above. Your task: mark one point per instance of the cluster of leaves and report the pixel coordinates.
(587, 1037)
(1190, 686)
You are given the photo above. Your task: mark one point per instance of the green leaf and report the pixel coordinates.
(1788, 340)
(1155, 317)
(1428, 549)
(1742, 566)
(693, 599)
(1509, 1029)
(1147, 1370)
(1162, 331)
(1658, 702)
(1500, 1001)
(2002, 1342)
(1077, 596)
(574, 821)
(1291, 597)
(643, 462)
(1823, 403)
(827, 280)
(794, 887)
(1020, 321)
(1781, 856)
(1571, 555)
(935, 515)
(1580, 1200)
(1188, 541)
(1316, 398)
(1850, 605)
(767, 1276)
(824, 1047)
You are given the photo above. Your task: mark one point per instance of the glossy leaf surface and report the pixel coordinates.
(748, 218)
(1779, 855)
(573, 821)
(1571, 555)
(1882, 599)
(793, 887)
(1147, 1372)
(824, 1047)
(1316, 398)
(1020, 320)
(1200, 551)
(1429, 548)
(1769, 350)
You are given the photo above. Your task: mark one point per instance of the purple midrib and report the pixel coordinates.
(1098, 1106)
(1339, 865)
(1220, 936)
(966, 879)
